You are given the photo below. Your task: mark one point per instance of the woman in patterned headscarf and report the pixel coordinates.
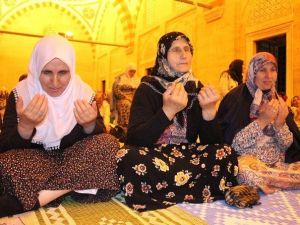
(257, 122)
(52, 141)
(123, 90)
(162, 164)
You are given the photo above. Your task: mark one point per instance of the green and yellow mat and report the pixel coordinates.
(112, 212)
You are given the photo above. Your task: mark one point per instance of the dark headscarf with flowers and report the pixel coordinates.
(162, 68)
(258, 61)
(162, 75)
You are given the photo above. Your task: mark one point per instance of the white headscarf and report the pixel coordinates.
(125, 79)
(60, 119)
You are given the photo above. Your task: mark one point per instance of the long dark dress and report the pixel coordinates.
(157, 175)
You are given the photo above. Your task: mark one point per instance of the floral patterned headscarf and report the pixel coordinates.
(162, 68)
(258, 61)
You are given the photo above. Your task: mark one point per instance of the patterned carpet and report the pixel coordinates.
(280, 208)
(107, 213)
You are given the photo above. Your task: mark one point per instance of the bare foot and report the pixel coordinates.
(11, 221)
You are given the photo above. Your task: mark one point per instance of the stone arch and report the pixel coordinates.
(17, 13)
(128, 20)
(20, 10)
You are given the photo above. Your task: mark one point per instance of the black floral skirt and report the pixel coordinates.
(158, 177)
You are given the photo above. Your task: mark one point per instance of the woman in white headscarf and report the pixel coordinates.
(123, 90)
(51, 142)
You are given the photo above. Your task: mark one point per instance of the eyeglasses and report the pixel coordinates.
(179, 51)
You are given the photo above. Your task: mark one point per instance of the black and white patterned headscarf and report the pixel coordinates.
(164, 75)
(162, 68)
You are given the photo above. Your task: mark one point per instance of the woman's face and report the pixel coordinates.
(55, 77)
(296, 101)
(179, 56)
(266, 77)
(131, 73)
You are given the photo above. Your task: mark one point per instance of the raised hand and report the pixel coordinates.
(283, 112)
(208, 98)
(268, 112)
(29, 117)
(86, 115)
(258, 96)
(175, 99)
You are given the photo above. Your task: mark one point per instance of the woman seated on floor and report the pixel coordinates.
(51, 142)
(161, 164)
(261, 129)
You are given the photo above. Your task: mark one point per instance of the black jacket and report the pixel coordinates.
(10, 138)
(233, 114)
(147, 120)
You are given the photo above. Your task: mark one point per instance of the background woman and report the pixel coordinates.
(123, 91)
(232, 77)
